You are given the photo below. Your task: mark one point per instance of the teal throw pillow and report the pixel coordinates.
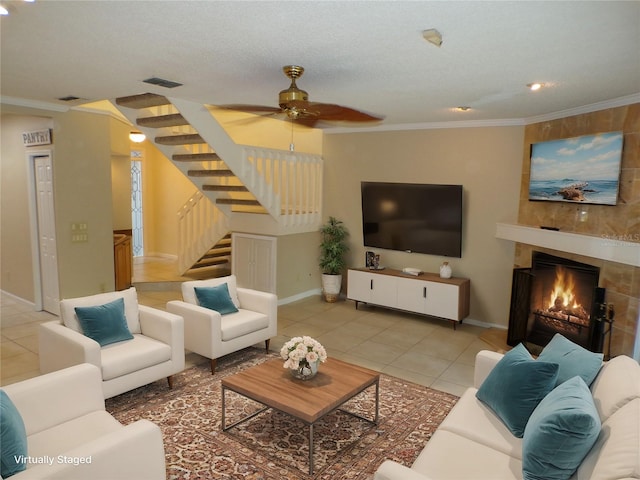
(106, 323)
(560, 432)
(13, 438)
(216, 298)
(515, 386)
(572, 359)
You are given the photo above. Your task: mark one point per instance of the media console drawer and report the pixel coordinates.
(426, 294)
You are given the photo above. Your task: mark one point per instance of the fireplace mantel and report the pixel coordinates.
(604, 248)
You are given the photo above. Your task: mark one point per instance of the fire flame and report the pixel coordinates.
(562, 295)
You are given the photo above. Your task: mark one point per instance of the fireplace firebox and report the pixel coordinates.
(556, 295)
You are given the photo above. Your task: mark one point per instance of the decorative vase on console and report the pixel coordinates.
(445, 270)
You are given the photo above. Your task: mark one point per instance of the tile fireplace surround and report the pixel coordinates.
(605, 236)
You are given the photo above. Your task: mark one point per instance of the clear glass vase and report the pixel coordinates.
(305, 371)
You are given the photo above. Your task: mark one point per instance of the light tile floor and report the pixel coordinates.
(419, 349)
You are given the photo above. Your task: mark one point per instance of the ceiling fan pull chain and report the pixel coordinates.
(292, 147)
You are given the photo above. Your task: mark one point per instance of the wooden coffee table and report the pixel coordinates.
(307, 400)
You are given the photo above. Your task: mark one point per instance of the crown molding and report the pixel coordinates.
(593, 107)
(36, 104)
(509, 122)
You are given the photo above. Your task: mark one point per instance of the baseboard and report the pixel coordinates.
(300, 296)
(480, 323)
(17, 299)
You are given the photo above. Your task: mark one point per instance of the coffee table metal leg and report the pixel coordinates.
(377, 402)
(244, 419)
(311, 449)
(223, 409)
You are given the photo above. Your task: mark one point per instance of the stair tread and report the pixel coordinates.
(210, 173)
(202, 264)
(225, 188)
(144, 100)
(185, 139)
(211, 254)
(195, 157)
(237, 201)
(170, 120)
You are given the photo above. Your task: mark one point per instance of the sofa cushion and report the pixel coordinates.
(472, 419)
(122, 358)
(449, 456)
(560, 432)
(617, 383)
(216, 298)
(616, 453)
(515, 386)
(130, 297)
(106, 323)
(189, 294)
(13, 438)
(242, 323)
(572, 359)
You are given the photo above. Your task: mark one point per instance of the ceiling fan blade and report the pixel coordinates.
(250, 108)
(335, 113)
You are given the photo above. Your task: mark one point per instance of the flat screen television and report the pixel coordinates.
(582, 169)
(411, 217)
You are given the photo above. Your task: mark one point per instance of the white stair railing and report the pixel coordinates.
(200, 226)
(288, 184)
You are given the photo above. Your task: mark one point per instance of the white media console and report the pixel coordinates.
(426, 294)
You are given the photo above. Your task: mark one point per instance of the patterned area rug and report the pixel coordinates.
(272, 445)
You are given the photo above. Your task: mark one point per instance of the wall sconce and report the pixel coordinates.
(137, 137)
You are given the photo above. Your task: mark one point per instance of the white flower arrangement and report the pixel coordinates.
(300, 352)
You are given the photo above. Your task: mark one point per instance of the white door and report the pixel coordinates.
(46, 225)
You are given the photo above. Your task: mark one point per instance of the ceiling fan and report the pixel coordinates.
(294, 105)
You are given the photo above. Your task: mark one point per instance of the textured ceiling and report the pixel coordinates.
(366, 55)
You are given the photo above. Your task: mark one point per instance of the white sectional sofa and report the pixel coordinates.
(69, 435)
(473, 443)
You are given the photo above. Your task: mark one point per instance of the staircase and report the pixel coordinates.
(258, 190)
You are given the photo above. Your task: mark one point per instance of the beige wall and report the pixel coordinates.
(486, 161)
(15, 237)
(297, 264)
(620, 222)
(81, 155)
(82, 182)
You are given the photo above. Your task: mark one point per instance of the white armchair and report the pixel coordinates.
(65, 422)
(155, 351)
(211, 334)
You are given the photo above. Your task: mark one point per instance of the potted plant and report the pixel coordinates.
(332, 262)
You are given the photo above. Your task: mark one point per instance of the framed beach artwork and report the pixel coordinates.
(582, 169)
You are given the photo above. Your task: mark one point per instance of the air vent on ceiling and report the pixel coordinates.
(69, 98)
(162, 82)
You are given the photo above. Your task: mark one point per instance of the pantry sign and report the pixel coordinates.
(38, 137)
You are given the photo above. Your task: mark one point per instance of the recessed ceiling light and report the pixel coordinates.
(535, 86)
(3, 10)
(462, 109)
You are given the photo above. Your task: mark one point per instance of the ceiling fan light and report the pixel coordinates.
(137, 137)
